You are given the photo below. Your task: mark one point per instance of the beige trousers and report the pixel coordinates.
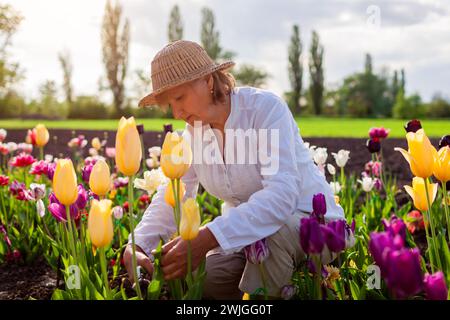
(229, 276)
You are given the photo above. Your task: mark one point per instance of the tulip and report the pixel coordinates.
(96, 144)
(37, 190)
(335, 187)
(445, 141)
(3, 134)
(395, 226)
(421, 154)
(414, 221)
(100, 178)
(168, 194)
(65, 182)
(86, 172)
(435, 286)
(42, 135)
(120, 182)
(4, 180)
(413, 126)
(373, 167)
(100, 224)
(287, 292)
(22, 160)
(404, 273)
(373, 145)
(31, 137)
(167, 128)
(51, 171)
(128, 147)
(320, 156)
(25, 147)
(380, 244)
(319, 205)
(39, 168)
(341, 157)
(367, 183)
(441, 169)
(117, 212)
(110, 152)
(380, 133)
(152, 180)
(154, 152)
(418, 193)
(378, 184)
(331, 169)
(334, 235)
(190, 220)
(176, 156)
(257, 252)
(311, 237)
(82, 198)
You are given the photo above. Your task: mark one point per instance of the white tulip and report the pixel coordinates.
(341, 157)
(367, 183)
(335, 187)
(320, 156)
(152, 180)
(154, 152)
(40, 208)
(331, 169)
(117, 212)
(3, 135)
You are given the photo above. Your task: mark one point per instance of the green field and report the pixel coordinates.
(309, 126)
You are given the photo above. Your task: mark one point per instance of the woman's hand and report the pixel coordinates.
(174, 253)
(141, 260)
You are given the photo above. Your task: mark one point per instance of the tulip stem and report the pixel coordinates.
(433, 231)
(133, 243)
(430, 256)
(70, 233)
(105, 273)
(189, 263)
(444, 188)
(41, 153)
(175, 190)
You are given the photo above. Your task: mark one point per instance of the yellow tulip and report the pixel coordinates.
(190, 220)
(42, 135)
(418, 194)
(128, 147)
(100, 179)
(176, 156)
(100, 224)
(65, 182)
(421, 154)
(442, 164)
(96, 144)
(168, 194)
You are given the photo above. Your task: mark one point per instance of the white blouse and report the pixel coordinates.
(258, 197)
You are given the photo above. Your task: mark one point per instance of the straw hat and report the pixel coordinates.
(177, 63)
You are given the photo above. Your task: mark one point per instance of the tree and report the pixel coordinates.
(115, 41)
(175, 28)
(67, 68)
(395, 85)
(403, 80)
(316, 87)
(408, 107)
(210, 37)
(248, 75)
(295, 69)
(10, 72)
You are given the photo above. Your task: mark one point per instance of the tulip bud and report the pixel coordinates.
(373, 145)
(140, 129)
(100, 178)
(42, 135)
(190, 220)
(435, 286)
(128, 147)
(96, 144)
(319, 205)
(168, 194)
(167, 128)
(311, 237)
(100, 224)
(441, 168)
(413, 126)
(445, 141)
(176, 156)
(118, 212)
(65, 182)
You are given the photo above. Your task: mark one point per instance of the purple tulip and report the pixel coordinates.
(311, 237)
(373, 145)
(257, 252)
(413, 126)
(82, 198)
(404, 273)
(58, 211)
(319, 205)
(120, 182)
(287, 292)
(334, 235)
(445, 141)
(395, 226)
(86, 172)
(51, 171)
(167, 128)
(380, 244)
(353, 225)
(140, 129)
(380, 133)
(435, 287)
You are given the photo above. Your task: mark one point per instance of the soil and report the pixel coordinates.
(38, 280)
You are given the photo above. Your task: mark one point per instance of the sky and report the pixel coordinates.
(409, 34)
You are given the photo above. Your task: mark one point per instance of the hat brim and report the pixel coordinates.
(150, 99)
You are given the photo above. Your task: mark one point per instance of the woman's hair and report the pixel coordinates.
(223, 84)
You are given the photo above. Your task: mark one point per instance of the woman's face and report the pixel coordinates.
(191, 101)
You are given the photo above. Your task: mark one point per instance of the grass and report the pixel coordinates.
(309, 126)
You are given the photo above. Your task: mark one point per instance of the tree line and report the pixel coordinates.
(361, 94)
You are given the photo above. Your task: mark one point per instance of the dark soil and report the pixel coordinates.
(38, 280)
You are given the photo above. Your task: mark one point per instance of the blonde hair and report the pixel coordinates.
(223, 85)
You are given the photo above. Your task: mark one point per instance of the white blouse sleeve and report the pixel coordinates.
(266, 210)
(158, 220)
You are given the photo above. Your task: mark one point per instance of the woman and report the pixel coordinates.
(264, 196)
